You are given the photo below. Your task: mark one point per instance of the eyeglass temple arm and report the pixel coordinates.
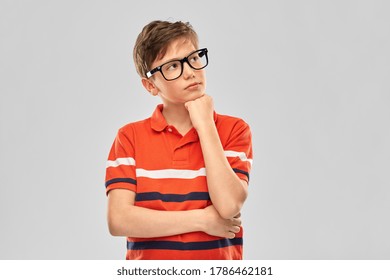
(151, 72)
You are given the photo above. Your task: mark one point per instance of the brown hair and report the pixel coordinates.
(154, 40)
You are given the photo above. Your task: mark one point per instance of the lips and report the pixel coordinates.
(193, 85)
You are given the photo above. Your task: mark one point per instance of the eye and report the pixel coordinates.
(194, 58)
(172, 66)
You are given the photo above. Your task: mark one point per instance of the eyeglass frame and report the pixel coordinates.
(185, 59)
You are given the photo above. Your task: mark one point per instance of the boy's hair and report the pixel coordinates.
(154, 39)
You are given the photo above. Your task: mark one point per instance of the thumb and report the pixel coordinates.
(187, 104)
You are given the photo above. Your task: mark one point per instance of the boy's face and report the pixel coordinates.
(189, 86)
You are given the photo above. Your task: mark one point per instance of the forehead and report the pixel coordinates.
(176, 49)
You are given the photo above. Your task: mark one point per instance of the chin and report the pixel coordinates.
(198, 94)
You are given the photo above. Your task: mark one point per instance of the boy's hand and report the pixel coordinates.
(217, 226)
(201, 111)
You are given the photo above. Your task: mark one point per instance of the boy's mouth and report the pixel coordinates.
(193, 86)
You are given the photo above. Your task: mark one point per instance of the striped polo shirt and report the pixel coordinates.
(167, 172)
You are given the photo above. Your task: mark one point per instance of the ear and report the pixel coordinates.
(150, 86)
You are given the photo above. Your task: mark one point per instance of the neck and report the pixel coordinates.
(177, 116)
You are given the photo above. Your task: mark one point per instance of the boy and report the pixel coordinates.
(176, 181)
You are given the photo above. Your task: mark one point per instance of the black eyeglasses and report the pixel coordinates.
(173, 69)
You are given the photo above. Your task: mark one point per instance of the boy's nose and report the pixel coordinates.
(187, 70)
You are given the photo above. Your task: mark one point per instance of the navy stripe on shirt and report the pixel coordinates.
(172, 197)
(242, 172)
(174, 245)
(121, 180)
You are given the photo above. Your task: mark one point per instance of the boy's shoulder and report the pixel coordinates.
(135, 126)
(230, 121)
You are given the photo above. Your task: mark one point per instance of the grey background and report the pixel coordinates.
(310, 77)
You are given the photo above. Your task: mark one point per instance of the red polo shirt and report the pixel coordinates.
(167, 172)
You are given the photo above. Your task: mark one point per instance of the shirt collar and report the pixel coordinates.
(158, 122)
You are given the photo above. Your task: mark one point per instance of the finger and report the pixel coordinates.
(230, 235)
(235, 229)
(236, 222)
(187, 104)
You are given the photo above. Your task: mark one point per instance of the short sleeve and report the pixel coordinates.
(238, 150)
(120, 167)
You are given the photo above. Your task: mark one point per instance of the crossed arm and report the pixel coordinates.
(125, 219)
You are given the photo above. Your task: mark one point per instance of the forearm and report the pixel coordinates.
(134, 221)
(226, 189)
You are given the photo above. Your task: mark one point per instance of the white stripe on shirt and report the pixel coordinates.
(171, 173)
(241, 155)
(120, 161)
